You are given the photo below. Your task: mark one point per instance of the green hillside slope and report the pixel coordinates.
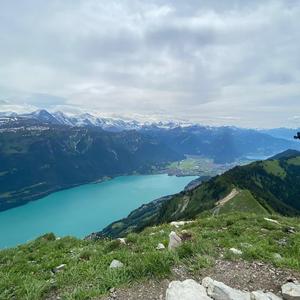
(270, 186)
(26, 271)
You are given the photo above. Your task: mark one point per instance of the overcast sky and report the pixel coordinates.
(234, 62)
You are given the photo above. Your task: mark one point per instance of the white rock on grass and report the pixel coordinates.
(59, 268)
(122, 241)
(246, 245)
(160, 246)
(291, 291)
(277, 256)
(271, 220)
(186, 290)
(260, 295)
(220, 291)
(115, 264)
(174, 240)
(180, 223)
(235, 251)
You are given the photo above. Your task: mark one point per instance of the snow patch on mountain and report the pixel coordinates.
(89, 120)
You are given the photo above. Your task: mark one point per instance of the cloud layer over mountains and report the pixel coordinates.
(215, 62)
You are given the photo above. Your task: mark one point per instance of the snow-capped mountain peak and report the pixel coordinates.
(86, 119)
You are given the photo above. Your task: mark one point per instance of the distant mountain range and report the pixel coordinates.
(114, 124)
(81, 120)
(282, 133)
(42, 152)
(262, 187)
(223, 144)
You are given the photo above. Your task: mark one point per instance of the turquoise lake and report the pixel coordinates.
(82, 210)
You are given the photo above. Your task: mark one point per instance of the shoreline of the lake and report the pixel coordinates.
(41, 195)
(86, 208)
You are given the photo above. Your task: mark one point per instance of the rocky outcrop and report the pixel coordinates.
(186, 290)
(291, 291)
(212, 289)
(220, 291)
(174, 241)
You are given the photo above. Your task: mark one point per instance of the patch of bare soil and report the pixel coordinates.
(237, 274)
(231, 195)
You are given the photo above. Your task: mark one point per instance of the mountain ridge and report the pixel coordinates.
(269, 186)
(37, 161)
(222, 144)
(38, 139)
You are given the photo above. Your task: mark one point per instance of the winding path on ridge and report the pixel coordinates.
(223, 201)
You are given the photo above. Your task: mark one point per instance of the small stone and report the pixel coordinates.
(186, 290)
(246, 245)
(277, 256)
(59, 268)
(180, 223)
(289, 229)
(271, 220)
(174, 241)
(122, 241)
(115, 264)
(291, 291)
(160, 246)
(236, 251)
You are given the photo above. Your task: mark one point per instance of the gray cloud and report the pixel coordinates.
(217, 62)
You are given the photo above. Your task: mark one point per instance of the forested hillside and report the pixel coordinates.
(37, 160)
(270, 186)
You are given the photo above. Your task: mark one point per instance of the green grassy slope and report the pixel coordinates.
(268, 186)
(25, 271)
(272, 184)
(243, 202)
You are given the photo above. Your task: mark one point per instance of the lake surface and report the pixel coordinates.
(85, 209)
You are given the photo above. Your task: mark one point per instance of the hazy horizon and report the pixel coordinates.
(230, 63)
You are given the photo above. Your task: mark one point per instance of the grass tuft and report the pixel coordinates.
(26, 271)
